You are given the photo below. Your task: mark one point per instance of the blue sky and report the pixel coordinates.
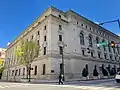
(16, 15)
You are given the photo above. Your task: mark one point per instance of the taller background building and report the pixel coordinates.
(2, 60)
(2, 56)
(56, 29)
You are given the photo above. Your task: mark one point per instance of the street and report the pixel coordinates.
(76, 85)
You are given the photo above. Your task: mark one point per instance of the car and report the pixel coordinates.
(117, 77)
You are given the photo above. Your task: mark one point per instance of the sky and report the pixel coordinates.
(17, 15)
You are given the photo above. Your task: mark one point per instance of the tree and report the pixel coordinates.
(26, 52)
(1, 70)
(95, 72)
(85, 71)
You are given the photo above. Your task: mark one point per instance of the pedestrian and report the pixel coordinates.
(60, 79)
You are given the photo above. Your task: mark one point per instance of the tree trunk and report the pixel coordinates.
(27, 70)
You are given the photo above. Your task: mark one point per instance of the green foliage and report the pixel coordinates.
(26, 52)
(1, 69)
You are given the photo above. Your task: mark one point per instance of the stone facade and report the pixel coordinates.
(55, 29)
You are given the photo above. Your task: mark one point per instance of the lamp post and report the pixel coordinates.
(63, 61)
(118, 21)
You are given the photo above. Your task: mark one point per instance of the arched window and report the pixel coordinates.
(97, 41)
(109, 48)
(90, 41)
(118, 50)
(82, 38)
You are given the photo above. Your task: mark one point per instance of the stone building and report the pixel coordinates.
(56, 31)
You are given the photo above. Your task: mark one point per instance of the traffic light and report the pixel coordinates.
(88, 50)
(112, 44)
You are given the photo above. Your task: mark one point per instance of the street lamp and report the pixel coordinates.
(62, 72)
(118, 21)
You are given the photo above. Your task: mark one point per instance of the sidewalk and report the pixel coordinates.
(66, 82)
(71, 81)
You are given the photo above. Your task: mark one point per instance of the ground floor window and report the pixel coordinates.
(43, 69)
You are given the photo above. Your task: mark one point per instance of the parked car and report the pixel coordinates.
(117, 77)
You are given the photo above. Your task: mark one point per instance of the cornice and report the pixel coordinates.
(92, 23)
(26, 32)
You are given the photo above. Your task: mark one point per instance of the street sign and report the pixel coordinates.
(102, 44)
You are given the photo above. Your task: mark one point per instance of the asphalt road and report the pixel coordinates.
(76, 85)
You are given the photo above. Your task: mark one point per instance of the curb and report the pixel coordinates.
(68, 81)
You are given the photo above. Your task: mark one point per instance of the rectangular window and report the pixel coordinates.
(38, 42)
(110, 57)
(45, 27)
(104, 48)
(38, 33)
(60, 37)
(16, 72)
(23, 71)
(60, 27)
(105, 55)
(35, 70)
(115, 57)
(32, 37)
(44, 38)
(61, 50)
(44, 50)
(114, 50)
(99, 56)
(83, 52)
(59, 16)
(19, 72)
(118, 50)
(43, 69)
(109, 48)
(91, 54)
(12, 72)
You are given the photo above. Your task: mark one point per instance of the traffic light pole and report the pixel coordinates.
(118, 21)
